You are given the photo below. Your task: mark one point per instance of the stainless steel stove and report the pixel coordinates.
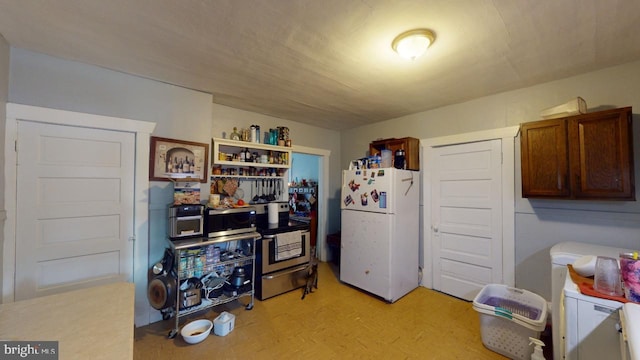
(283, 253)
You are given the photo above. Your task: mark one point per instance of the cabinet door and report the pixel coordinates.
(544, 159)
(601, 155)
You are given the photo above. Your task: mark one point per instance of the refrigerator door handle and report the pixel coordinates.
(410, 184)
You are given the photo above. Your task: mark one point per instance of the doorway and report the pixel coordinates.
(74, 208)
(466, 217)
(502, 142)
(311, 197)
(303, 191)
(138, 236)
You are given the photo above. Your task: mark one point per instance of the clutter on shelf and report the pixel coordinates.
(278, 136)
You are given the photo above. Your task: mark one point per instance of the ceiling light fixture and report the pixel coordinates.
(413, 43)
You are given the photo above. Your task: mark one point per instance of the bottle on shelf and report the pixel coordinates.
(235, 135)
(252, 138)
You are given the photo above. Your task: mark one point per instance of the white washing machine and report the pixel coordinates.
(563, 254)
(630, 334)
(591, 326)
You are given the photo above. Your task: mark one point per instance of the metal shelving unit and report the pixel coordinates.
(232, 259)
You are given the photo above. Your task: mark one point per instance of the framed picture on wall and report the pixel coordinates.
(178, 159)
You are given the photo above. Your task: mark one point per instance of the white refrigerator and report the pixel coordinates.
(380, 229)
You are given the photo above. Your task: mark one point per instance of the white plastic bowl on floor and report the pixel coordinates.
(196, 331)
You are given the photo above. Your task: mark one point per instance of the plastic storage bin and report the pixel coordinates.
(223, 324)
(508, 317)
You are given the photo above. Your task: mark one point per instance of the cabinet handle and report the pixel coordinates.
(603, 309)
(559, 181)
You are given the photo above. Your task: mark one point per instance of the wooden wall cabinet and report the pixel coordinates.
(587, 156)
(410, 145)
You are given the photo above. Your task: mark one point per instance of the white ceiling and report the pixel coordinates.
(329, 63)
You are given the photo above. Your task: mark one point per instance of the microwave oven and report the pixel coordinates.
(186, 221)
(224, 222)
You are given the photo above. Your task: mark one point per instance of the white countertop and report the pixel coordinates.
(632, 328)
(94, 323)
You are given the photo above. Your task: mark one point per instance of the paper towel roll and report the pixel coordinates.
(272, 212)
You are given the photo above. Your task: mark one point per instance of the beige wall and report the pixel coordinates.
(4, 95)
(539, 224)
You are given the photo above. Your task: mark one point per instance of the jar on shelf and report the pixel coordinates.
(283, 133)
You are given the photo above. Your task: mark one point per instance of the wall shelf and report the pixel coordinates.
(247, 177)
(232, 147)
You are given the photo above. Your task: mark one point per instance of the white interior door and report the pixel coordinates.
(74, 208)
(467, 217)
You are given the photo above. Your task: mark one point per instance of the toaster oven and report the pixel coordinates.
(186, 221)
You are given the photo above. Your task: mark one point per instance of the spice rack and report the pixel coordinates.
(278, 159)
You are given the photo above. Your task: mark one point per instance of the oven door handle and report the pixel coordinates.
(296, 269)
(193, 217)
(272, 237)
